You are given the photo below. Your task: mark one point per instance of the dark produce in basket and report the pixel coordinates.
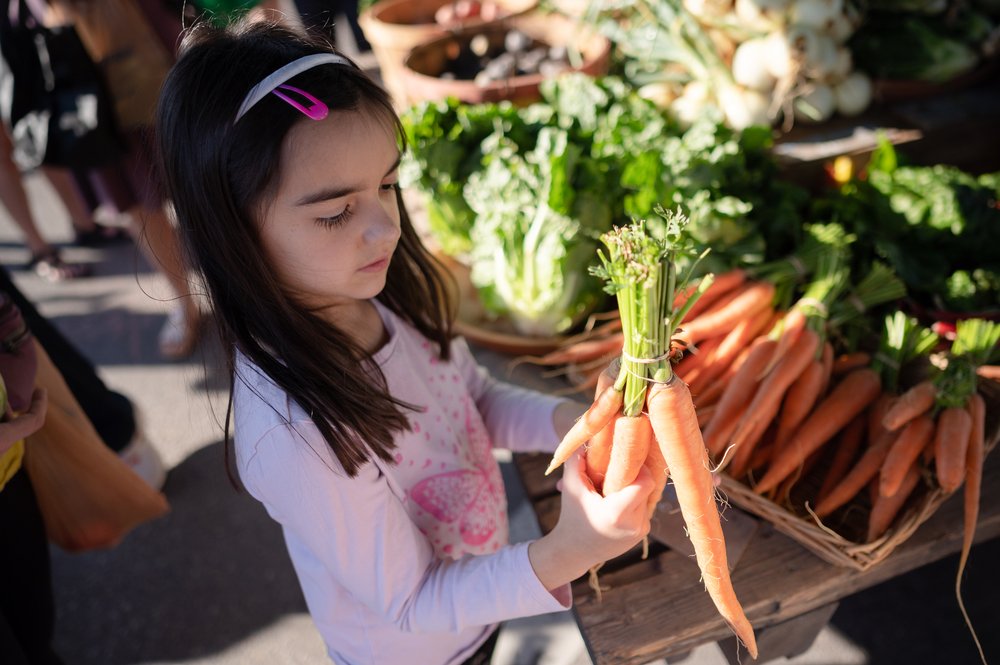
(517, 54)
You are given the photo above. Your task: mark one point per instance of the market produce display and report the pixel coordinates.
(522, 194)
(821, 346)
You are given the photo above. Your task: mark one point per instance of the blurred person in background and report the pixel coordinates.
(322, 15)
(132, 55)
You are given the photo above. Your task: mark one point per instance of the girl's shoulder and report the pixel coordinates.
(259, 404)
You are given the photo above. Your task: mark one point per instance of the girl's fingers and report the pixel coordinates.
(575, 480)
(634, 494)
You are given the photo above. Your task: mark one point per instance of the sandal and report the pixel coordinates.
(102, 235)
(49, 265)
(179, 334)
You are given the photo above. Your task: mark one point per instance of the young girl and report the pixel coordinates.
(361, 424)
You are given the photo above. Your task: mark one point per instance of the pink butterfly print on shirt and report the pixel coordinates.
(466, 496)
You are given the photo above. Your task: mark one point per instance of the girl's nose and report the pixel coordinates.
(385, 225)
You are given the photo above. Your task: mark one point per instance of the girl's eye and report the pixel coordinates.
(336, 220)
(390, 186)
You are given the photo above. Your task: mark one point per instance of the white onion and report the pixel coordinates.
(840, 28)
(708, 9)
(743, 107)
(692, 103)
(778, 55)
(843, 64)
(763, 15)
(817, 104)
(660, 93)
(853, 94)
(750, 65)
(822, 58)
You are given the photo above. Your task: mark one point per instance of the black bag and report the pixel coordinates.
(53, 100)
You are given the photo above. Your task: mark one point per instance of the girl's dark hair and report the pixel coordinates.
(221, 175)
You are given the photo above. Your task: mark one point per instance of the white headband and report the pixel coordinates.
(292, 69)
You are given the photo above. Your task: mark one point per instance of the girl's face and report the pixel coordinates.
(332, 227)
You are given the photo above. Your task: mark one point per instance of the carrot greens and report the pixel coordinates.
(639, 268)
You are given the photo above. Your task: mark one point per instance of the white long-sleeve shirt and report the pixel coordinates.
(406, 562)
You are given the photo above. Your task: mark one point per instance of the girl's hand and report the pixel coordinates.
(591, 528)
(14, 428)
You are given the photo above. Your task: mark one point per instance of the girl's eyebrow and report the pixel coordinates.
(337, 192)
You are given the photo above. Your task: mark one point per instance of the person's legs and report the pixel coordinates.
(27, 605)
(158, 239)
(131, 187)
(45, 259)
(88, 231)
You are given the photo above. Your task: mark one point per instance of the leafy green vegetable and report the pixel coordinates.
(522, 194)
(912, 48)
(936, 226)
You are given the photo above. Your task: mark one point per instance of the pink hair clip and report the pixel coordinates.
(317, 110)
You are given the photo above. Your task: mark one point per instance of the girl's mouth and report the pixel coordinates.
(376, 266)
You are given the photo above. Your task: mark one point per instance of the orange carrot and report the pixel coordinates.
(710, 396)
(599, 453)
(629, 450)
(912, 439)
(754, 298)
(596, 418)
(860, 474)
(730, 346)
(761, 454)
(843, 457)
(723, 284)
(973, 485)
(989, 372)
(791, 327)
(876, 414)
(767, 400)
(848, 398)
(885, 508)
(658, 469)
(918, 399)
(849, 362)
(671, 413)
(696, 358)
(705, 414)
(599, 447)
(799, 401)
(580, 352)
(712, 393)
(737, 396)
(951, 443)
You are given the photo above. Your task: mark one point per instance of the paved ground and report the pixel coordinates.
(211, 582)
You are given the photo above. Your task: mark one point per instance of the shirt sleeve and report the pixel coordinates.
(518, 419)
(361, 533)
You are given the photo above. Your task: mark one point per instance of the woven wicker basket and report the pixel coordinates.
(838, 539)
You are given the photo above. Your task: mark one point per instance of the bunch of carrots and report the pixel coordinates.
(645, 416)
